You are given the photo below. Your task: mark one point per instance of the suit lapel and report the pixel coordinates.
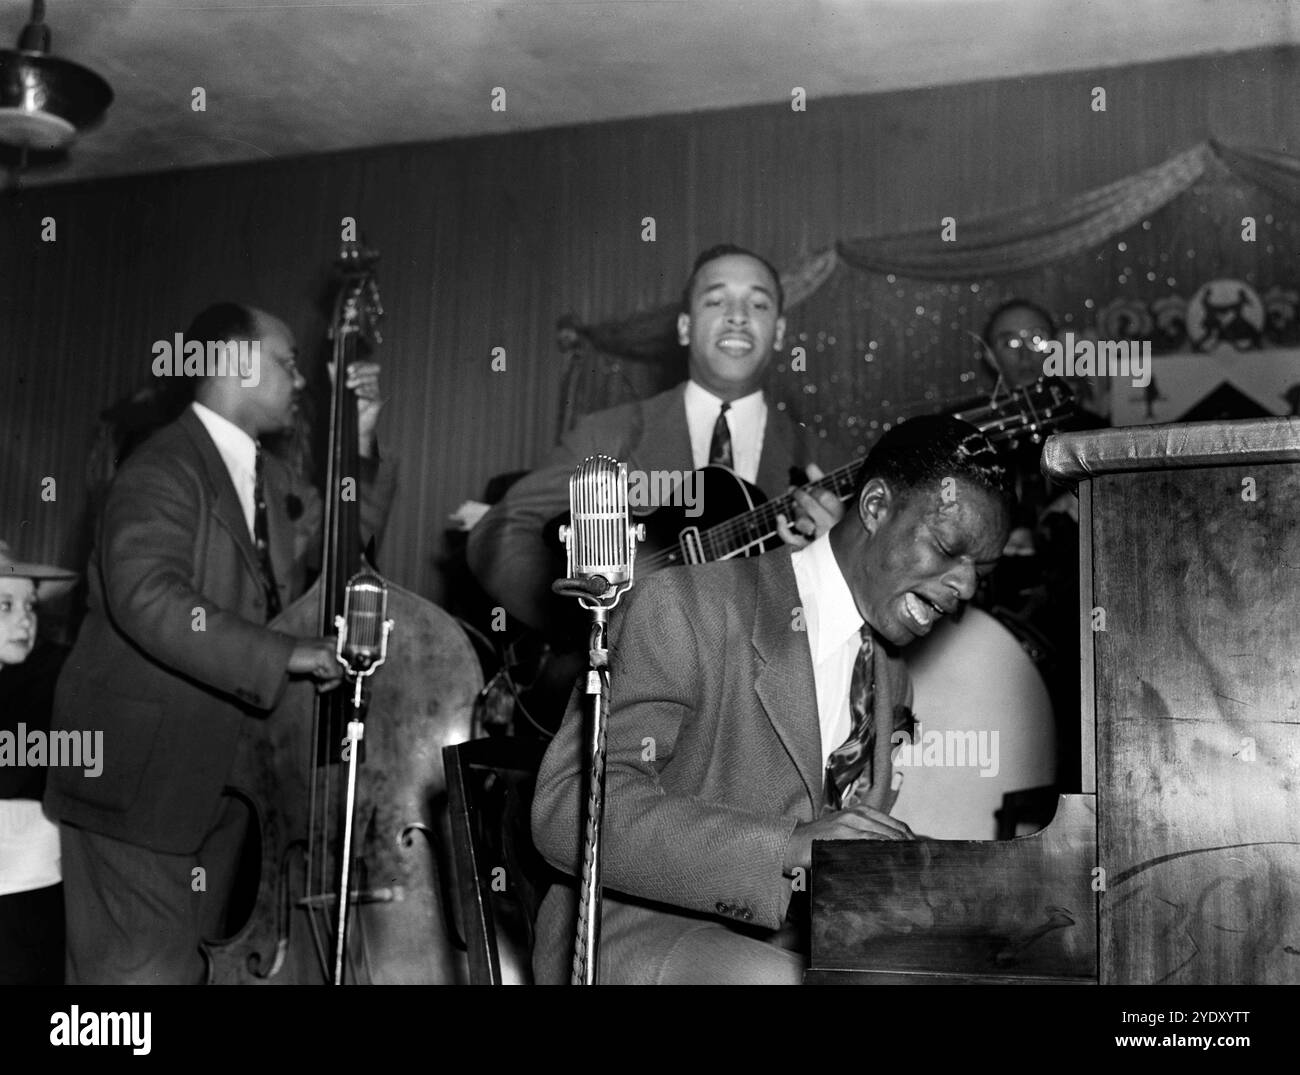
(665, 439)
(226, 508)
(784, 683)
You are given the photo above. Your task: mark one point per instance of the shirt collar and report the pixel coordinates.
(838, 618)
(230, 440)
(745, 407)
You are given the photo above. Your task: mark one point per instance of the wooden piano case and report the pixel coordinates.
(1180, 863)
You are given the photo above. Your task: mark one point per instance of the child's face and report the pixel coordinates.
(17, 619)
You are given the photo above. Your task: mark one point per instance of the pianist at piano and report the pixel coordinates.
(719, 774)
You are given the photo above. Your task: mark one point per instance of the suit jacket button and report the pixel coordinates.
(721, 908)
(746, 914)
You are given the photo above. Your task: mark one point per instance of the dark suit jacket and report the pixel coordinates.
(506, 551)
(171, 699)
(714, 755)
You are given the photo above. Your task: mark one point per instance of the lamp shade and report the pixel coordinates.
(44, 101)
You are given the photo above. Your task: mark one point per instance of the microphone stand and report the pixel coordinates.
(587, 944)
(604, 531)
(356, 675)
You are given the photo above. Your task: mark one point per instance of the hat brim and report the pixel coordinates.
(51, 581)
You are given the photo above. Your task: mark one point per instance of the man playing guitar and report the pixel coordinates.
(731, 321)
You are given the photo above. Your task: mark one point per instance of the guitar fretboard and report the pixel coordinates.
(730, 537)
(1034, 408)
(758, 525)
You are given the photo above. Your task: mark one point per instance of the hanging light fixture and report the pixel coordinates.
(45, 101)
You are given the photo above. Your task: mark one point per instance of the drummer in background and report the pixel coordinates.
(31, 889)
(1018, 334)
(1034, 591)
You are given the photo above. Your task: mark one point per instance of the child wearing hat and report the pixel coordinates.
(31, 892)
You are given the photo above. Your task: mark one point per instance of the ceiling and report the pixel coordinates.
(291, 77)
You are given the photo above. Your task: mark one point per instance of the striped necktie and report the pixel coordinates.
(261, 540)
(720, 445)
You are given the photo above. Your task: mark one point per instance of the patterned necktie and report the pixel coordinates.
(720, 446)
(852, 758)
(261, 540)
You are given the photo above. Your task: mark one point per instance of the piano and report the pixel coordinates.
(1180, 860)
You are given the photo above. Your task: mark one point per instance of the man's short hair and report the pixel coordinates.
(921, 452)
(723, 250)
(220, 322)
(1018, 304)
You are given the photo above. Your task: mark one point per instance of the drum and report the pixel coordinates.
(984, 728)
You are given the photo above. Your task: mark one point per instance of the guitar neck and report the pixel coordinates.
(759, 524)
(1028, 410)
(1036, 408)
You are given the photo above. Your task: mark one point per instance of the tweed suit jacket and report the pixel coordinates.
(714, 755)
(506, 550)
(175, 653)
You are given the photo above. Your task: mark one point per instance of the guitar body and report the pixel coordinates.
(678, 534)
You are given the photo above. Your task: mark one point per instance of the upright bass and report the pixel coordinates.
(292, 767)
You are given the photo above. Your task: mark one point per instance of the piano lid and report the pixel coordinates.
(1076, 457)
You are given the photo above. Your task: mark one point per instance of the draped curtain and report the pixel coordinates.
(886, 322)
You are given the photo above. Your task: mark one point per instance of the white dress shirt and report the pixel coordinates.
(746, 418)
(834, 627)
(238, 451)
